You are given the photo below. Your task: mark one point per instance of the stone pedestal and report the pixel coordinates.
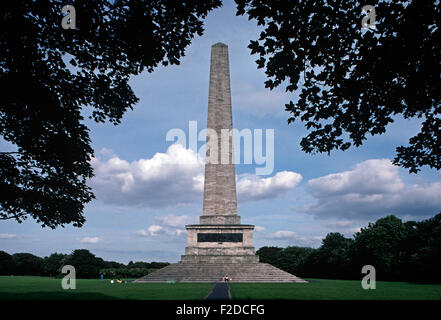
(219, 244)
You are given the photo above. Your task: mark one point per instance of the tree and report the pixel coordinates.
(86, 264)
(27, 264)
(292, 259)
(112, 265)
(381, 244)
(269, 254)
(334, 256)
(353, 82)
(7, 265)
(48, 76)
(424, 253)
(52, 264)
(157, 265)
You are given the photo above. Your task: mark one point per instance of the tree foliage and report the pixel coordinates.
(269, 254)
(27, 264)
(125, 273)
(53, 264)
(7, 264)
(354, 82)
(409, 251)
(333, 256)
(381, 245)
(86, 264)
(424, 250)
(48, 75)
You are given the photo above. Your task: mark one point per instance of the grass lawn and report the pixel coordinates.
(335, 290)
(28, 287)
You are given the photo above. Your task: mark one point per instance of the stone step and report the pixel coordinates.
(209, 272)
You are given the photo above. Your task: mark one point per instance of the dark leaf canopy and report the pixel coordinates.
(353, 81)
(49, 74)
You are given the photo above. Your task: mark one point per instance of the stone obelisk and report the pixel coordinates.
(219, 238)
(220, 204)
(219, 245)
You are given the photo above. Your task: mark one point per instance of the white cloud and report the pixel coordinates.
(371, 190)
(259, 228)
(90, 240)
(169, 225)
(107, 152)
(156, 230)
(7, 236)
(251, 187)
(369, 177)
(165, 179)
(173, 178)
(142, 233)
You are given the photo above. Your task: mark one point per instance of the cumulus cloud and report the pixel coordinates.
(259, 229)
(7, 236)
(154, 230)
(168, 225)
(157, 230)
(142, 233)
(90, 240)
(371, 190)
(165, 179)
(251, 187)
(173, 178)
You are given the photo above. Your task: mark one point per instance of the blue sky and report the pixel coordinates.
(147, 190)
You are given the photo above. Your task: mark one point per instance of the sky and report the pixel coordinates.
(148, 188)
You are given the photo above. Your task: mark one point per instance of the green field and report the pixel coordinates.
(318, 289)
(27, 287)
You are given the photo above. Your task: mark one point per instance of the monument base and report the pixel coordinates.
(213, 272)
(219, 259)
(214, 243)
(215, 251)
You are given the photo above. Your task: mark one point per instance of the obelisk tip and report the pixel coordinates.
(219, 44)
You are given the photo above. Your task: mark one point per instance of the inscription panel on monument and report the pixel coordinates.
(220, 237)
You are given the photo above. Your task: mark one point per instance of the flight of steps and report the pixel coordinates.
(213, 272)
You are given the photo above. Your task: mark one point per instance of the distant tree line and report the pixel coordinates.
(409, 251)
(86, 264)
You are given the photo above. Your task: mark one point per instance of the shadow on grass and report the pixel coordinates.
(55, 296)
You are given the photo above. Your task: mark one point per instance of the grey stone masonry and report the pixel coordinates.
(211, 272)
(220, 177)
(220, 237)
